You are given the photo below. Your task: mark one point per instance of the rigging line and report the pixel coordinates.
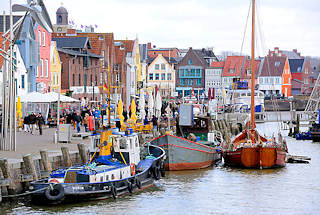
(275, 105)
(245, 29)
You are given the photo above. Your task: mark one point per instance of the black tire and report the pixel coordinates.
(156, 173)
(114, 192)
(162, 170)
(138, 183)
(130, 187)
(55, 194)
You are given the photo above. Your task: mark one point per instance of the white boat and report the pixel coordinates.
(240, 100)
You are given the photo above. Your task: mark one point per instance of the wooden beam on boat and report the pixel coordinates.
(66, 156)
(45, 160)
(30, 167)
(83, 152)
(297, 159)
(4, 165)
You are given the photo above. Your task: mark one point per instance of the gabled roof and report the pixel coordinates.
(72, 42)
(273, 66)
(127, 44)
(219, 64)
(296, 84)
(200, 55)
(233, 65)
(170, 60)
(296, 65)
(247, 66)
(291, 54)
(77, 53)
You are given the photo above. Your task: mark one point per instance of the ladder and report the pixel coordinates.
(312, 107)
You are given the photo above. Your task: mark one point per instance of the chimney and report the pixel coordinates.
(149, 45)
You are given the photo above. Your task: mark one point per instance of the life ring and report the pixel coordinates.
(130, 187)
(56, 193)
(133, 169)
(114, 192)
(53, 180)
(156, 172)
(138, 183)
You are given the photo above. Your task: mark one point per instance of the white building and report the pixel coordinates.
(21, 77)
(213, 80)
(162, 74)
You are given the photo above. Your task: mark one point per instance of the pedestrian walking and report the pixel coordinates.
(32, 122)
(86, 122)
(26, 123)
(40, 122)
(77, 120)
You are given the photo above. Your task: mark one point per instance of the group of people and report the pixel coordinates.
(31, 121)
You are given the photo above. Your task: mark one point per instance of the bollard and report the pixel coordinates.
(83, 152)
(29, 165)
(45, 161)
(4, 165)
(66, 156)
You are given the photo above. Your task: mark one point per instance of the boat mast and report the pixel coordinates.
(253, 125)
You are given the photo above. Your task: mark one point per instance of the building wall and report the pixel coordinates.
(185, 81)
(270, 85)
(213, 80)
(55, 68)
(174, 52)
(43, 76)
(166, 76)
(286, 80)
(307, 70)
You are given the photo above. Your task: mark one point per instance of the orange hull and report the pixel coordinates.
(255, 157)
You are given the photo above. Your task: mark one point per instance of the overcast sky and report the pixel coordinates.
(220, 24)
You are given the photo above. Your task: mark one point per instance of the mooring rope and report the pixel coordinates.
(28, 193)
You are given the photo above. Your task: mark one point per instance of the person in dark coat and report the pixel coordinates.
(146, 121)
(68, 118)
(154, 122)
(32, 122)
(125, 115)
(26, 123)
(77, 120)
(40, 122)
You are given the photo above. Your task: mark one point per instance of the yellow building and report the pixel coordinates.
(55, 68)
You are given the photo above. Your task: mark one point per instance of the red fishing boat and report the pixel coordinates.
(249, 149)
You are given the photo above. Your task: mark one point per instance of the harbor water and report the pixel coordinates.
(294, 189)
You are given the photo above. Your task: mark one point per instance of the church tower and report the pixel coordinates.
(62, 22)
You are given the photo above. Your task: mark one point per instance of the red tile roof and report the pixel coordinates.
(233, 63)
(120, 55)
(219, 64)
(247, 66)
(128, 44)
(271, 67)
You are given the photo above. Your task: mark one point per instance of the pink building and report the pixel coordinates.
(43, 71)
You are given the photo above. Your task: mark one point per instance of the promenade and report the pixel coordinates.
(32, 144)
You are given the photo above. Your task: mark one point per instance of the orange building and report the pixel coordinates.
(286, 80)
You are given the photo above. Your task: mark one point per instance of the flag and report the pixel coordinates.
(105, 87)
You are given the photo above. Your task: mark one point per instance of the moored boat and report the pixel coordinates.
(315, 132)
(184, 154)
(249, 149)
(114, 169)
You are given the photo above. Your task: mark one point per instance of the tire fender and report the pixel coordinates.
(55, 194)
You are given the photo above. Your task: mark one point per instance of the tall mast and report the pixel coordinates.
(253, 125)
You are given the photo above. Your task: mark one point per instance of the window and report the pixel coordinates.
(47, 69)
(73, 80)
(37, 71)
(163, 66)
(190, 61)
(96, 80)
(277, 80)
(169, 77)
(277, 63)
(163, 76)
(91, 79)
(43, 39)
(151, 76)
(59, 19)
(198, 73)
(103, 59)
(79, 79)
(192, 73)
(181, 81)
(101, 77)
(22, 81)
(181, 73)
(41, 68)
(156, 66)
(248, 72)
(157, 76)
(231, 71)
(39, 37)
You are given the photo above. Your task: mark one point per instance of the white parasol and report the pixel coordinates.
(150, 106)
(158, 105)
(142, 104)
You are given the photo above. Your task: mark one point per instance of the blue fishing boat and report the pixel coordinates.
(114, 169)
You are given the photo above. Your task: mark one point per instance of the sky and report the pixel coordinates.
(287, 24)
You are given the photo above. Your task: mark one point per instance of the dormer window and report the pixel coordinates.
(277, 63)
(190, 62)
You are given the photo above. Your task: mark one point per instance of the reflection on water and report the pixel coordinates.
(294, 189)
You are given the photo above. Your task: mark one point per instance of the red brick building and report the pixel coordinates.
(153, 52)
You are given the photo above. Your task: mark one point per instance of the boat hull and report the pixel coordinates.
(147, 171)
(182, 154)
(255, 157)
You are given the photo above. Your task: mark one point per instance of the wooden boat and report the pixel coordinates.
(184, 154)
(249, 149)
(116, 170)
